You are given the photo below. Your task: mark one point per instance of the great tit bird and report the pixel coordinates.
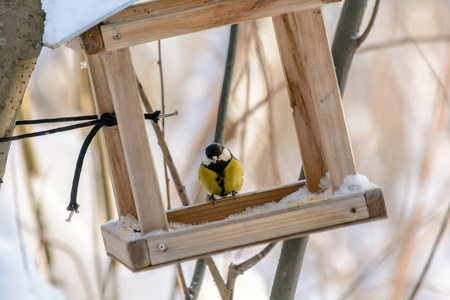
(220, 172)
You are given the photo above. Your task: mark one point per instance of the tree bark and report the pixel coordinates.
(21, 31)
(346, 39)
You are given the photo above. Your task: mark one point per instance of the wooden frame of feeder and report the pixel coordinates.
(317, 111)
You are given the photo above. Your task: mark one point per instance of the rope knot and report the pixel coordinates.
(108, 119)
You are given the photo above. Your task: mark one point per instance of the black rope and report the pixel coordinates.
(153, 116)
(57, 120)
(47, 132)
(106, 119)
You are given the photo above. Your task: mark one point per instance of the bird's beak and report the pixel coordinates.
(214, 159)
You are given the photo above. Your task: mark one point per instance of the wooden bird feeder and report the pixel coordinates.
(314, 95)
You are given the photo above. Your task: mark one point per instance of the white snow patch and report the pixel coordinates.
(128, 227)
(352, 184)
(66, 19)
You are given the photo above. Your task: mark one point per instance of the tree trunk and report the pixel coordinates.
(21, 31)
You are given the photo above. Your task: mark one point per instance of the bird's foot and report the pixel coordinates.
(234, 193)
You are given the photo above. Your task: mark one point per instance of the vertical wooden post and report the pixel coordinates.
(111, 138)
(314, 96)
(133, 134)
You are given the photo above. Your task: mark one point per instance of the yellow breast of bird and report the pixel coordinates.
(223, 183)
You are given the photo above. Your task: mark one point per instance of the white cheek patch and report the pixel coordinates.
(225, 156)
(207, 161)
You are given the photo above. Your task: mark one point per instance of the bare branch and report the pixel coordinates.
(235, 270)
(345, 39)
(366, 32)
(163, 111)
(197, 278)
(78, 262)
(432, 252)
(427, 61)
(186, 293)
(278, 88)
(221, 286)
(403, 41)
(245, 265)
(226, 85)
(165, 149)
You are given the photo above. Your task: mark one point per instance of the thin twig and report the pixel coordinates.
(432, 252)
(427, 61)
(277, 89)
(32, 167)
(226, 84)
(163, 123)
(404, 40)
(245, 265)
(435, 137)
(182, 281)
(366, 32)
(234, 270)
(165, 149)
(110, 274)
(272, 144)
(78, 262)
(221, 286)
(345, 39)
(370, 268)
(247, 105)
(18, 220)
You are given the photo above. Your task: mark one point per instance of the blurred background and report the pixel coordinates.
(396, 103)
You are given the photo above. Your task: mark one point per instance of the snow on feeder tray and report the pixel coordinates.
(268, 215)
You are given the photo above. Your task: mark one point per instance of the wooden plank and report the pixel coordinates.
(210, 238)
(111, 138)
(134, 254)
(89, 42)
(136, 146)
(222, 208)
(167, 18)
(375, 203)
(300, 95)
(315, 95)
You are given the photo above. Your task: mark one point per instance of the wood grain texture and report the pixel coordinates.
(90, 42)
(316, 93)
(136, 146)
(375, 204)
(111, 138)
(133, 254)
(222, 208)
(167, 18)
(301, 99)
(215, 237)
(210, 238)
